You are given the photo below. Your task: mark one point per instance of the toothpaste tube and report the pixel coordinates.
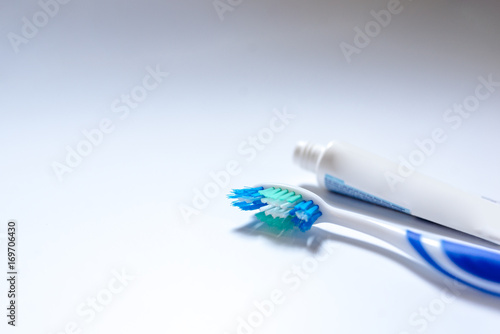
(351, 171)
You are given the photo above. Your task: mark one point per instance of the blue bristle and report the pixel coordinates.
(296, 221)
(247, 193)
(305, 226)
(308, 204)
(302, 206)
(310, 210)
(249, 206)
(302, 224)
(316, 216)
(247, 199)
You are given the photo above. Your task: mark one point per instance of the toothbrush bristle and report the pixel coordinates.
(278, 207)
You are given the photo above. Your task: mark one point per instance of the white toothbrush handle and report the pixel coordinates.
(475, 266)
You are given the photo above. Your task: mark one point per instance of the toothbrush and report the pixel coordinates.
(289, 207)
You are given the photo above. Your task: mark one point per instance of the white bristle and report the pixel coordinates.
(265, 208)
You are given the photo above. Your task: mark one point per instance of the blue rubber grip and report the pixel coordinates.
(477, 267)
(480, 262)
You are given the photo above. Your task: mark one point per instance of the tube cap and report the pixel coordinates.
(307, 155)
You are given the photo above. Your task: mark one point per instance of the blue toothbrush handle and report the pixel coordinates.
(475, 266)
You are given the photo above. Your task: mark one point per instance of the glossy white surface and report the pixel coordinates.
(119, 208)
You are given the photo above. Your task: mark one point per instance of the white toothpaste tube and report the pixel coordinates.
(351, 171)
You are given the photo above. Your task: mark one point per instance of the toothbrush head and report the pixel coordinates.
(280, 206)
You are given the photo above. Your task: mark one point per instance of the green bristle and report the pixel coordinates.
(279, 194)
(294, 198)
(286, 196)
(277, 223)
(269, 191)
(272, 192)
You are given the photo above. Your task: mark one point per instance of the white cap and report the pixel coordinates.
(307, 155)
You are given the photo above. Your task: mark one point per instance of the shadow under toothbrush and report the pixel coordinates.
(313, 239)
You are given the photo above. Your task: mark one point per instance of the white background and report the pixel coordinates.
(119, 209)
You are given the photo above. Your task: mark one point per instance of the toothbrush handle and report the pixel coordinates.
(475, 266)
(472, 265)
